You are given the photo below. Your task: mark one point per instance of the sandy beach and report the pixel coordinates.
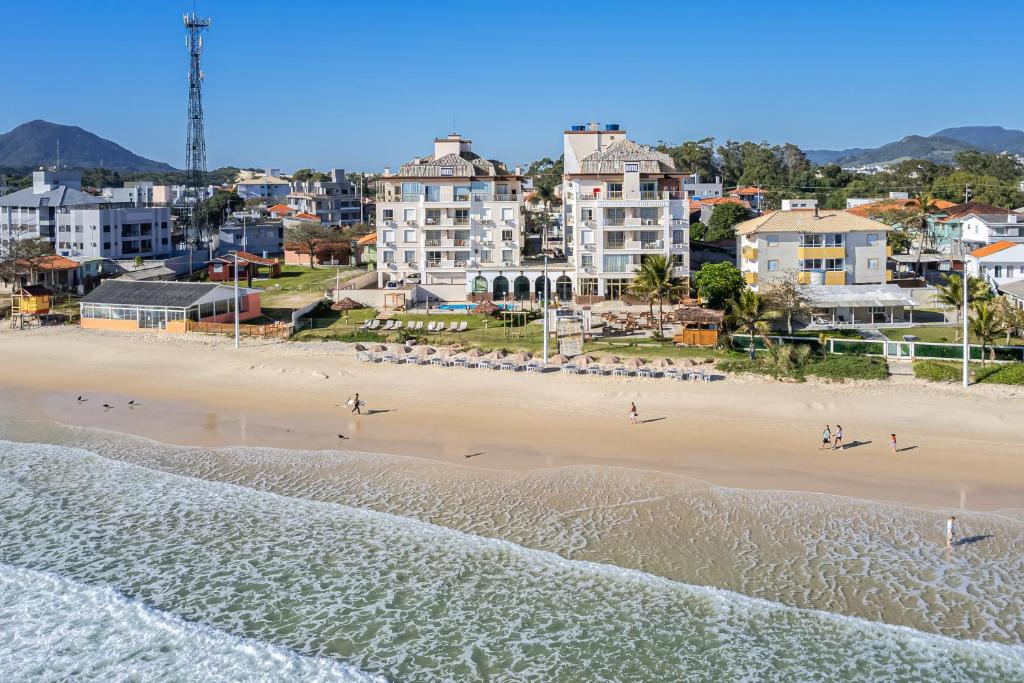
(749, 433)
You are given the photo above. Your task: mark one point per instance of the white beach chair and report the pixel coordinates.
(374, 324)
(440, 327)
(388, 325)
(364, 357)
(397, 325)
(432, 326)
(462, 327)
(595, 370)
(418, 325)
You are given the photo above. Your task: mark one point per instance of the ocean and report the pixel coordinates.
(125, 559)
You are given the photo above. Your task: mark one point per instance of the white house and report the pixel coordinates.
(979, 229)
(998, 264)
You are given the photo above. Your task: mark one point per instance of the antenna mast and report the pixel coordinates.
(195, 138)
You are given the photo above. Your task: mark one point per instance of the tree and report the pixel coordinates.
(312, 235)
(900, 240)
(723, 219)
(1002, 166)
(698, 232)
(546, 172)
(544, 195)
(718, 283)
(749, 311)
(212, 210)
(693, 156)
(951, 293)
(1010, 317)
(656, 281)
(787, 298)
(985, 325)
(984, 188)
(19, 258)
(304, 174)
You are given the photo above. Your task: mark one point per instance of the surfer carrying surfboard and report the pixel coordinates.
(356, 405)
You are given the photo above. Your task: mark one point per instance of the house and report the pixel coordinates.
(979, 227)
(265, 186)
(262, 238)
(80, 224)
(250, 266)
(366, 249)
(327, 254)
(451, 218)
(624, 203)
(706, 207)
(694, 186)
(753, 195)
(30, 300)
(997, 264)
(333, 202)
(1015, 292)
(838, 257)
(128, 306)
(280, 211)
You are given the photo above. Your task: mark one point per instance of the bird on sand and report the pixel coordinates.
(342, 436)
(107, 406)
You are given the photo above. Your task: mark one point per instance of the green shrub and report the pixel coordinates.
(1010, 373)
(934, 371)
(836, 367)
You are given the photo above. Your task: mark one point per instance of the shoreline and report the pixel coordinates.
(751, 435)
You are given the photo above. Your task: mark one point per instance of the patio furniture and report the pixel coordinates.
(440, 327)
(595, 370)
(397, 325)
(462, 327)
(387, 325)
(392, 359)
(534, 366)
(459, 362)
(570, 370)
(483, 364)
(431, 326)
(621, 372)
(645, 372)
(364, 357)
(374, 324)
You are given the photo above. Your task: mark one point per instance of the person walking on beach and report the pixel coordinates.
(951, 532)
(634, 417)
(355, 405)
(826, 439)
(892, 444)
(837, 444)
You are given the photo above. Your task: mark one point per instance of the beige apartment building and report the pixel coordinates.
(452, 218)
(838, 257)
(623, 203)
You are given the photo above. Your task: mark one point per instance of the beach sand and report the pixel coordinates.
(963, 446)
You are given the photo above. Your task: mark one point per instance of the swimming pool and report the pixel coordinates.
(468, 307)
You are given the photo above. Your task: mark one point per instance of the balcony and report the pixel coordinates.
(656, 244)
(619, 195)
(749, 253)
(751, 278)
(495, 197)
(682, 271)
(447, 263)
(615, 222)
(821, 277)
(460, 220)
(820, 252)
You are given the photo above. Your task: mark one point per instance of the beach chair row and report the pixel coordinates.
(377, 325)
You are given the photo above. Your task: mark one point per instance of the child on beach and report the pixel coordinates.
(892, 444)
(951, 532)
(826, 439)
(838, 443)
(633, 416)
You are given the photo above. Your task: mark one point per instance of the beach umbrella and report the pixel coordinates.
(558, 359)
(520, 357)
(446, 352)
(496, 354)
(660, 363)
(686, 362)
(378, 348)
(403, 349)
(346, 304)
(474, 353)
(610, 359)
(486, 308)
(423, 350)
(360, 347)
(633, 363)
(584, 360)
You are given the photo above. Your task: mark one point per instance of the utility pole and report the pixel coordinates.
(963, 315)
(236, 300)
(967, 193)
(547, 294)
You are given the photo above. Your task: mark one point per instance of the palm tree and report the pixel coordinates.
(916, 219)
(643, 288)
(656, 280)
(986, 324)
(750, 312)
(544, 195)
(951, 293)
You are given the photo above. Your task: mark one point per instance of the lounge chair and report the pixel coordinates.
(621, 372)
(462, 327)
(364, 357)
(483, 364)
(366, 324)
(397, 325)
(535, 367)
(412, 360)
(440, 327)
(438, 360)
(374, 324)
(388, 324)
(645, 372)
(432, 326)
(417, 325)
(595, 370)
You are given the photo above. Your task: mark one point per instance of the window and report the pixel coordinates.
(507, 214)
(872, 239)
(388, 215)
(409, 255)
(614, 188)
(432, 193)
(587, 214)
(773, 265)
(409, 235)
(773, 240)
(587, 260)
(872, 264)
(410, 215)
(829, 240)
(485, 255)
(448, 170)
(1009, 271)
(506, 236)
(615, 240)
(389, 235)
(999, 271)
(632, 168)
(506, 255)
(218, 267)
(388, 256)
(620, 263)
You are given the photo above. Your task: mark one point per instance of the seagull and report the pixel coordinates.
(107, 406)
(342, 436)
(82, 400)
(132, 402)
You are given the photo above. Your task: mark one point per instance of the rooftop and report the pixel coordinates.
(881, 206)
(465, 164)
(809, 221)
(263, 180)
(993, 248)
(960, 211)
(832, 296)
(611, 160)
(160, 294)
(61, 195)
(1014, 289)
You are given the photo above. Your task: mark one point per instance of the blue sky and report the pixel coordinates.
(363, 85)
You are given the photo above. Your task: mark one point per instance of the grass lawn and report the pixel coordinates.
(943, 333)
(298, 286)
(992, 373)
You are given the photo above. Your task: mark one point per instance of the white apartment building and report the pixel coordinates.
(697, 188)
(623, 203)
(453, 218)
(979, 229)
(334, 202)
(268, 185)
(79, 224)
(137, 193)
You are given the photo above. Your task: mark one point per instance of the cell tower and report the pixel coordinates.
(195, 139)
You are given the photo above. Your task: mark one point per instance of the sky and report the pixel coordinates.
(363, 85)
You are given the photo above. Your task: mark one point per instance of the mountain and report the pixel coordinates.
(940, 147)
(34, 144)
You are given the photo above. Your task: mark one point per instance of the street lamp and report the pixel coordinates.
(544, 307)
(961, 251)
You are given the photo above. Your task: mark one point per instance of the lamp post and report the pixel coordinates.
(544, 308)
(963, 315)
(236, 299)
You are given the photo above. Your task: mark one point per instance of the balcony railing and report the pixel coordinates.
(656, 244)
(460, 220)
(619, 195)
(495, 197)
(615, 222)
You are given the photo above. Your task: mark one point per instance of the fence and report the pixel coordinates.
(888, 349)
(275, 331)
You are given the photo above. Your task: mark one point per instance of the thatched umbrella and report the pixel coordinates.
(686, 362)
(486, 308)
(446, 352)
(610, 359)
(346, 304)
(378, 348)
(474, 353)
(520, 357)
(423, 350)
(584, 360)
(403, 349)
(496, 354)
(633, 362)
(660, 363)
(558, 359)
(360, 347)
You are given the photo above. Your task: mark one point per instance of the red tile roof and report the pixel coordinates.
(368, 239)
(993, 248)
(958, 211)
(306, 216)
(743, 191)
(280, 208)
(53, 262)
(866, 210)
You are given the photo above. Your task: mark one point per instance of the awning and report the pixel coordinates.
(856, 296)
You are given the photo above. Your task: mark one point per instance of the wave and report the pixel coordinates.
(411, 600)
(57, 630)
